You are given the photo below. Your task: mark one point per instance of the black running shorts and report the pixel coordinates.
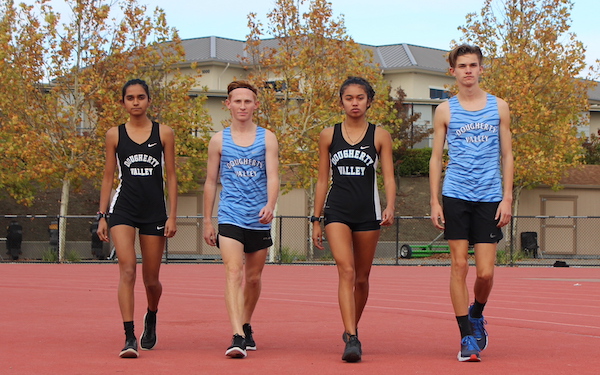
(472, 221)
(149, 229)
(354, 227)
(252, 239)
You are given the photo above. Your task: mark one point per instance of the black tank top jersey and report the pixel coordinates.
(140, 196)
(353, 196)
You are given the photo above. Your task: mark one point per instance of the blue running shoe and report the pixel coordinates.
(479, 331)
(469, 351)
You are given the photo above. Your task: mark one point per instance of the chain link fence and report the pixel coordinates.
(528, 241)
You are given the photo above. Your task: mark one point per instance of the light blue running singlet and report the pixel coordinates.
(473, 173)
(244, 181)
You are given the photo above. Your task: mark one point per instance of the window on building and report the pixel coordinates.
(438, 94)
(279, 86)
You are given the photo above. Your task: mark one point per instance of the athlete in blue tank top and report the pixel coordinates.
(477, 190)
(246, 158)
(244, 180)
(473, 172)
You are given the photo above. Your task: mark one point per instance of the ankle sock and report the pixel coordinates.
(464, 325)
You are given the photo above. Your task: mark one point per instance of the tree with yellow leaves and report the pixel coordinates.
(532, 62)
(61, 87)
(304, 64)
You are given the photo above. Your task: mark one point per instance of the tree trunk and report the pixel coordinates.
(62, 222)
(516, 196)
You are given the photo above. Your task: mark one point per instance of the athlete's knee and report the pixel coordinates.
(151, 282)
(485, 275)
(127, 274)
(234, 274)
(459, 267)
(347, 272)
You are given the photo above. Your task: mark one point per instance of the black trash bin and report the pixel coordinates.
(529, 243)
(97, 244)
(53, 233)
(14, 238)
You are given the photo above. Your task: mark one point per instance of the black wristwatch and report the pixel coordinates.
(314, 218)
(100, 215)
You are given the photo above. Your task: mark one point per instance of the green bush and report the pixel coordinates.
(50, 256)
(412, 162)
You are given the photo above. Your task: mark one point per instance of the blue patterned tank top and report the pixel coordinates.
(473, 172)
(244, 181)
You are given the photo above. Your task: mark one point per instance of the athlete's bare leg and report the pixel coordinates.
(255, 263)
(123, 237)
(339, 237)
(365, 244)
(232, 252)
(152, 248)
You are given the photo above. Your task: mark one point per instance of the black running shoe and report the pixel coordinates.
(237, 348)
(250, 343)
(345, 335)
(131, 349)
(353, 351)
(148, 339)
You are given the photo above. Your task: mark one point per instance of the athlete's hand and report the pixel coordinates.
(265, 216)
(437, 216)
(387, 217)
(317, 235)
(503, 213)
(171, 227)
(102, 230)
(210, 236)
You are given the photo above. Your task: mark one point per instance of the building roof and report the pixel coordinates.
(582, 175)
(389, 57)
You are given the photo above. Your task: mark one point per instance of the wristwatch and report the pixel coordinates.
(314, 218)
(100, 215)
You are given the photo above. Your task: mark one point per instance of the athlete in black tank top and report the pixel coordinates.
(140, 196)
(139, 149)
(353, 213)
(353, 196)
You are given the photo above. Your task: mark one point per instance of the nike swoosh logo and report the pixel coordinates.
(160, 228)
(364, 147)
(151, 144)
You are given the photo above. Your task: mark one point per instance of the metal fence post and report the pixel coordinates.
(166, 251)
(397, 240)
(512, 240)
(280, 236)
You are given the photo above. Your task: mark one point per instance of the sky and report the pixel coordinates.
(428, 23)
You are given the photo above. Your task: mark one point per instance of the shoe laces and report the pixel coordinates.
(479, 326)
(470, 342)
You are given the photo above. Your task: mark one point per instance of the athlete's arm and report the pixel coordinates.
(167, 137)
(504, 212)
(440, 126)
(384, 141)
(325, 139)
(272, 169)
(110, 163)
(210, 186)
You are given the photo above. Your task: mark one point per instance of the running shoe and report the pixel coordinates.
(250, 343)
(469, 350)
(131, 349)
(479, 331)
(148, 339)
(345, 335)
(237, 348)
(353, 351)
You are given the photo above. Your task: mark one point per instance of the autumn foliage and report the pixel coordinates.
(304, 57)
(532, 61)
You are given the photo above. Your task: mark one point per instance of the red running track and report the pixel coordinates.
(64, 319)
